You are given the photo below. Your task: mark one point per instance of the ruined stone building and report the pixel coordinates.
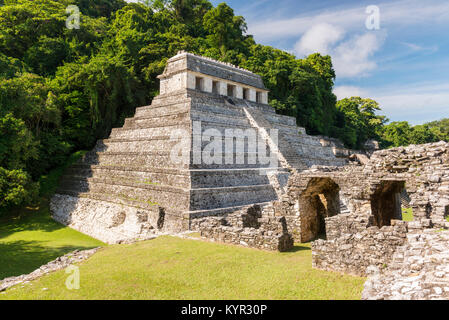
(187, 162)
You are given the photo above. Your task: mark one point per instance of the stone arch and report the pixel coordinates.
(320, 200)
(386, 202)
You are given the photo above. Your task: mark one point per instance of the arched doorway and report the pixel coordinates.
(386, 202)
(319, 201)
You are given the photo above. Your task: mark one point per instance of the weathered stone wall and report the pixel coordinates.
(370, 196)
(248, 227)
(353, 253)
(419, 270)
(112, 222)
(425, 169)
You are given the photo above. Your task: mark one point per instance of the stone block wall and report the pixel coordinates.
(353, 253)
(418, 270)
(248, 227)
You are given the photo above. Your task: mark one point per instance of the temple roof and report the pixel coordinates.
(185, 61)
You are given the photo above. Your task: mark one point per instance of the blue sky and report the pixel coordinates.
(404, 65)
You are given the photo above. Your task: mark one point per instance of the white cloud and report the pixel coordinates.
(319, 38)
(393, 13)
(354, 56)
(350, 91)
(351, 57)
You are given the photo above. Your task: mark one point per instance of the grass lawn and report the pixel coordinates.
(29, 237)
(407, 214)
(173, 268)
(33, 239)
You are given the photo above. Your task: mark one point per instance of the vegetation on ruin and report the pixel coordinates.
(62, 89)
(173, 268)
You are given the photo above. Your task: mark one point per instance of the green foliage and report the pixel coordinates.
(440, 129)
(398, 134)
(407, 215)
(358, 122)
(16, 143)
(225, 30)
(16, 147)
(16, 188)
(9, 67)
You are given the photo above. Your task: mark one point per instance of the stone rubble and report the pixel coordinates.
(55, 265)
(419, 270)
(249, 228)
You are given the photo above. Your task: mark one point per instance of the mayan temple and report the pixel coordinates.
(149, 176)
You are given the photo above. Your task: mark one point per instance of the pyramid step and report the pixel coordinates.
(286, 129)
(152, 121)
(163, 196)
(210, 117)
(197, 214)
(174, 178)
(280, 119)
(112, 199)
(159, 159)
(219, 109)
(143, 144)
(168, 99)
(214, 198)
(165, 159)
(230, 177)
(162, 130)
(179, 106)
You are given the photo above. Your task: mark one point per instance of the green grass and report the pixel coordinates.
(407, 215)
(29, 237)
(173, 268)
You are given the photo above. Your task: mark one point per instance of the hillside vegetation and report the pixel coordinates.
(63, 88)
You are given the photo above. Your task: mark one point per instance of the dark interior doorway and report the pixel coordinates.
(386, 203)
(319, 201)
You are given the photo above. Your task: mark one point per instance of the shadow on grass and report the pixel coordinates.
(29, 220)
(298, 248)
(23, 257)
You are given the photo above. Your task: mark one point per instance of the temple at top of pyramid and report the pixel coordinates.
(186, 70)
(133, 184)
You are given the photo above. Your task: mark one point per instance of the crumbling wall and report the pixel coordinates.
(248, 227)
(353, 253)
(425, 170)
(370, 233)
(418, 270)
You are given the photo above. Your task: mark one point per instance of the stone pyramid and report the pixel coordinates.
(151, 175)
